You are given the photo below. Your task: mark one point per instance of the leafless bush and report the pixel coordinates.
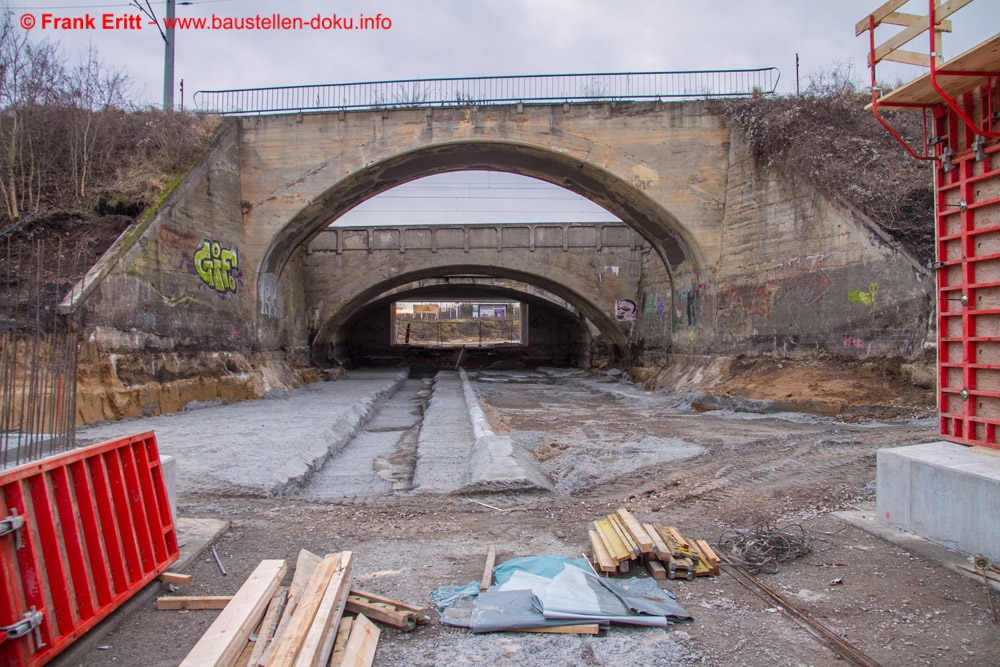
(827, 138)
(71, 141)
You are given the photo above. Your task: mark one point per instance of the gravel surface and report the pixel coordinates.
(703, 472)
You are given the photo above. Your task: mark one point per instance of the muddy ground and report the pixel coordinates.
(733, 469)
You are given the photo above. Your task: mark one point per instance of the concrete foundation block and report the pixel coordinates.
(169, 466)
(944, 492)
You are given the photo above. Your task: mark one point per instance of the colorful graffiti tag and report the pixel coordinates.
(215, 266)
(753, 299)
(864, 298)
(625, 310)
(270, 296)
(851, 341)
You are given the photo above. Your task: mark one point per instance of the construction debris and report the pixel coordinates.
(303, 625)
(760, 548)
(227, 637)
(556, 594)
(620, 539)
(385, 610)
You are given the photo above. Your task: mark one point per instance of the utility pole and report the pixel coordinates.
(168, 45)
(168, 59)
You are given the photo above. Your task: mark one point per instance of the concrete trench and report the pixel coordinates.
(429, 436)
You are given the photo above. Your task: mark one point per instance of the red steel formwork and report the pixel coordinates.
(962, 97)
(967, 195)
(80, 533)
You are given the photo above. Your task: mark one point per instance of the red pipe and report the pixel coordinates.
(932, 22)
(878, 116)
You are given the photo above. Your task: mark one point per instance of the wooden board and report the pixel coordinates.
(419, 612)
(656, 569)
(660, 549)
(983, 58)
(269, 625)
(619, 527)
(318, 642)
(601, 554)
(360, 650)
(637, 531)
(382, 612)
(288, 645)
(193, 602)
(668, 540)
(227, 636)
(340, 645)
(584, 629)
(305, 567)
(616, 547)
(491, 560)
(174, 578)
(710, 554)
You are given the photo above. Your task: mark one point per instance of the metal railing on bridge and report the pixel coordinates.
(469, 91)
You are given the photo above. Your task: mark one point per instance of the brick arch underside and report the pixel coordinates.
(333, 330)
(671, 240)
(365, 339)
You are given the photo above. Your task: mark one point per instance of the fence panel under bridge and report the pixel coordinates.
(468, 91)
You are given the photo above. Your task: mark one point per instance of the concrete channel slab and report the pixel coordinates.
(446, 438)
(267, 447)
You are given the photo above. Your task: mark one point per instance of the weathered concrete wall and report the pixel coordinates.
(797, 273)
(757, 261)
(590, 266)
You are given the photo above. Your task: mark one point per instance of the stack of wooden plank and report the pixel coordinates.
(303, 624)
(620, 540)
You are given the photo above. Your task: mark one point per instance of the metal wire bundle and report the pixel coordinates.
(760, 548)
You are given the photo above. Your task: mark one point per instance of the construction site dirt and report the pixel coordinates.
(604, 445)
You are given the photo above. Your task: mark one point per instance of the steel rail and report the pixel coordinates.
(820, 632)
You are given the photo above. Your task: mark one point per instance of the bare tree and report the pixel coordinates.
(94, 91)
(30, 77)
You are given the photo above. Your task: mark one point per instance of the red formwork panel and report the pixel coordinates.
(967, 182)
(85, 531)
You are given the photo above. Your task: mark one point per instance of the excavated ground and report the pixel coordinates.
(608, 445)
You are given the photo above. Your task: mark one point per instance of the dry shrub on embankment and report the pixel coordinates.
(78, 163)
(827, 138)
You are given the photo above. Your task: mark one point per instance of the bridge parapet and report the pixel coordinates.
(569, 236)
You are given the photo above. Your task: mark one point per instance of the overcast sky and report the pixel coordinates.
(450, 38)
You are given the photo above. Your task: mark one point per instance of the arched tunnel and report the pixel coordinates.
(550, 331)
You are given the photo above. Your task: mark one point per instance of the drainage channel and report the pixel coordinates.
(381, 458)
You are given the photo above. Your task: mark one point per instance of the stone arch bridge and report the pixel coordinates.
(735, 257)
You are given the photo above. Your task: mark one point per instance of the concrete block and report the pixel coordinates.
(944, 492)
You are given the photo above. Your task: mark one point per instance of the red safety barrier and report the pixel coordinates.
(80, 533)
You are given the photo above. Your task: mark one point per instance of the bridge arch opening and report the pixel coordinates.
(671, 240)
(559, 335)
(560, 314)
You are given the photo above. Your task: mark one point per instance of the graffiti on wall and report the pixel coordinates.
(851, 341)
(655, 306)
(625, 310)
(175, 240)
(216, 266)
(690, 299)
(749, 298)
(864, 298)
(270, 296)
